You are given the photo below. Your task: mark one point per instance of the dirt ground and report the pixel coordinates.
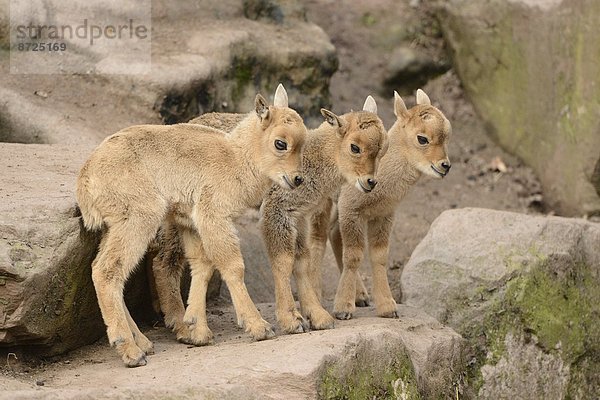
(482, 175)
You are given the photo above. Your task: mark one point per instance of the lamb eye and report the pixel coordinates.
(280, 145)
(422, 140)
(355, 149)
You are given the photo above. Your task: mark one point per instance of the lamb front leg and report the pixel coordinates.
(378, 234)
(353, 239)
(310, 304)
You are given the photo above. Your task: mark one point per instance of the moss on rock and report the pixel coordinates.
(365, 376)
(550, 305)
(528, 73)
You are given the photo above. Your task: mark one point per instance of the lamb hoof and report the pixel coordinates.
(362, 303)
(138, 362)
(343, 315)
(303, 327)
(392, 314)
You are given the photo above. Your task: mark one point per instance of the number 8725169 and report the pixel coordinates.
(41, 46)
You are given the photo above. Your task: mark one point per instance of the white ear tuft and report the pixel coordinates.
(370, 105)
(281, 97)
(422, 98)
(399, 106)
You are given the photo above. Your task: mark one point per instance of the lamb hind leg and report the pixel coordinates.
(121, 249)
(197, 333)
(362, 298)
(140, 339)
(378, 234)
(168, 267)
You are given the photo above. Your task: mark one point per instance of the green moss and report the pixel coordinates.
(551, 304)
(364, 380)
(368, 19)
(557, 312)
(242, 74)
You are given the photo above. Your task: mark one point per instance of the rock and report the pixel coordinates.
(4, 26)
(206, 57)
(278, 11)
(45, 255)
(414, 357)
(409, 69)
(506, 376)
(523, 290)
(528, 65)
(47, 299)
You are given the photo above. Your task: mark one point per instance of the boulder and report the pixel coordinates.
(523, 290)
(410, 358)
(529, 67)
(409, 69)
(47, 299)
(277, 11)
(206, 56)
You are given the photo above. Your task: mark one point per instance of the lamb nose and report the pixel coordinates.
(298, 180)
(371, 183)
(446, 165)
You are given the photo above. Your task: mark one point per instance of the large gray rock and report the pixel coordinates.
(529, 67)
(523, 290)
(45, 255)
(411, 358)
(206, 56)
(409, 69)
(47, 299)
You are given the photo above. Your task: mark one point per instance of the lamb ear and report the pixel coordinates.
(261, 107)
(400, 109)
(370, 105)
(422, 98)
(281, 97)
(334, 121)
(330, 117)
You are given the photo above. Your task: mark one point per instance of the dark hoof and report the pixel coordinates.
(393, 314)
(185, 340)
(269, 334)
(330, 325)
(139, 362)
(343, 315)
(362, 303)
(303, 327)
